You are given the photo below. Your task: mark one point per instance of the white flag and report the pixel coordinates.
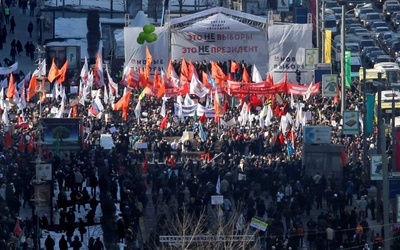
(4, 117)
(137, 110)
(85, 71)
(105, 95)
(255, 75)
(41, 69)
(218, 186)
(197, 87)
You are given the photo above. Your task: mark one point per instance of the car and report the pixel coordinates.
(389, 11)
(360, 6)
(331, 4)
(363, 12)
(384, 37)
(378, 30)
(370, 57)
(394, 48)
(353, 3)
(394, 14)
(383, 58)
(368, 49)
(377, 24)
(396, 22)
(370, 18)
(353, 27)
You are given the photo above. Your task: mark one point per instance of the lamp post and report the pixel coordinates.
(323, 31)
(41, 28)
(342, 57)
(385, 181)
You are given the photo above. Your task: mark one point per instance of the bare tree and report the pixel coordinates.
(207, 228)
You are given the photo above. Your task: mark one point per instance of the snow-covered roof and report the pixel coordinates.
(236, 15)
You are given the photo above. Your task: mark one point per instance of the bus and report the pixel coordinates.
(386, 105)
(390, 76)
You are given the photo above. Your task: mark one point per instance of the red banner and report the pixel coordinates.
(302, 89)
(259, 90)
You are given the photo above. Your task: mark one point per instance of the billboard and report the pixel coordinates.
(61, 53)
(221, 38)
(376, 168)
(135, 54)
(350, 122)
(62, 133)
(317, 134)
(286, 46)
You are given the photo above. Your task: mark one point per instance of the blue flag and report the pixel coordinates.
(290, 149)
(211, 81)
(202, 134)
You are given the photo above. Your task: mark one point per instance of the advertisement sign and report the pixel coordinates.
(317, 134)
(350, 122)
(284, 42)
(62, 133)
(135, 54)
(311, 58)
(221, 38)
(376, 168)
(329, 85)
(61, 54)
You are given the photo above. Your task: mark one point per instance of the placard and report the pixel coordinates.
(141, 145)
(376, 168)
(217, 199)
(73, 89)
(350, 122)
(311, 58)
(329, 85)
(44, 172)
(259, 224)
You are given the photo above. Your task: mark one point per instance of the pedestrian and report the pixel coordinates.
(76, 244)
(78, 180)
(13, 53)
(30, 29)
(91, 243)
(12, 25)
(81, 228)
(7, 14)
(49, 243)
(13, 43)
(27, 48)
(63, 244)
(32, 51)
(98, 245)
(19, 47)
(32, 6)
(4, 32)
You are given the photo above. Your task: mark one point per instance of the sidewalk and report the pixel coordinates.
(25, 64)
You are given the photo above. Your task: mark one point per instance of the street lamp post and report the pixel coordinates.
(342, 3)
(385, 174)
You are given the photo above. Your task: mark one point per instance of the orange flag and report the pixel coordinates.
(54, 72)
(192, 70)
(170, 69)
(217, 73)
(156, 79)
(123, 102)
(11, 87)
(149, 57)
(245, 76)
(184, 77)
(63, 72)
(205, 80)
(32, 88)
(234, 67)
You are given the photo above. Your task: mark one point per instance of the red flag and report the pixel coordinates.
(203, 118)
(54, 72)
(63, 72)
(98, 74)
(11, 87)
(234, 67)
(17, 228)
(32, 88)
(245, 76)
(270, 81)
(75, 111)
(164, 122)
(205, 80)
(277, 111)
(31, 143)
(230, 77)
(123, 102)
(22, 143)
(8, 142)
(344, 157)
(170, 69)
